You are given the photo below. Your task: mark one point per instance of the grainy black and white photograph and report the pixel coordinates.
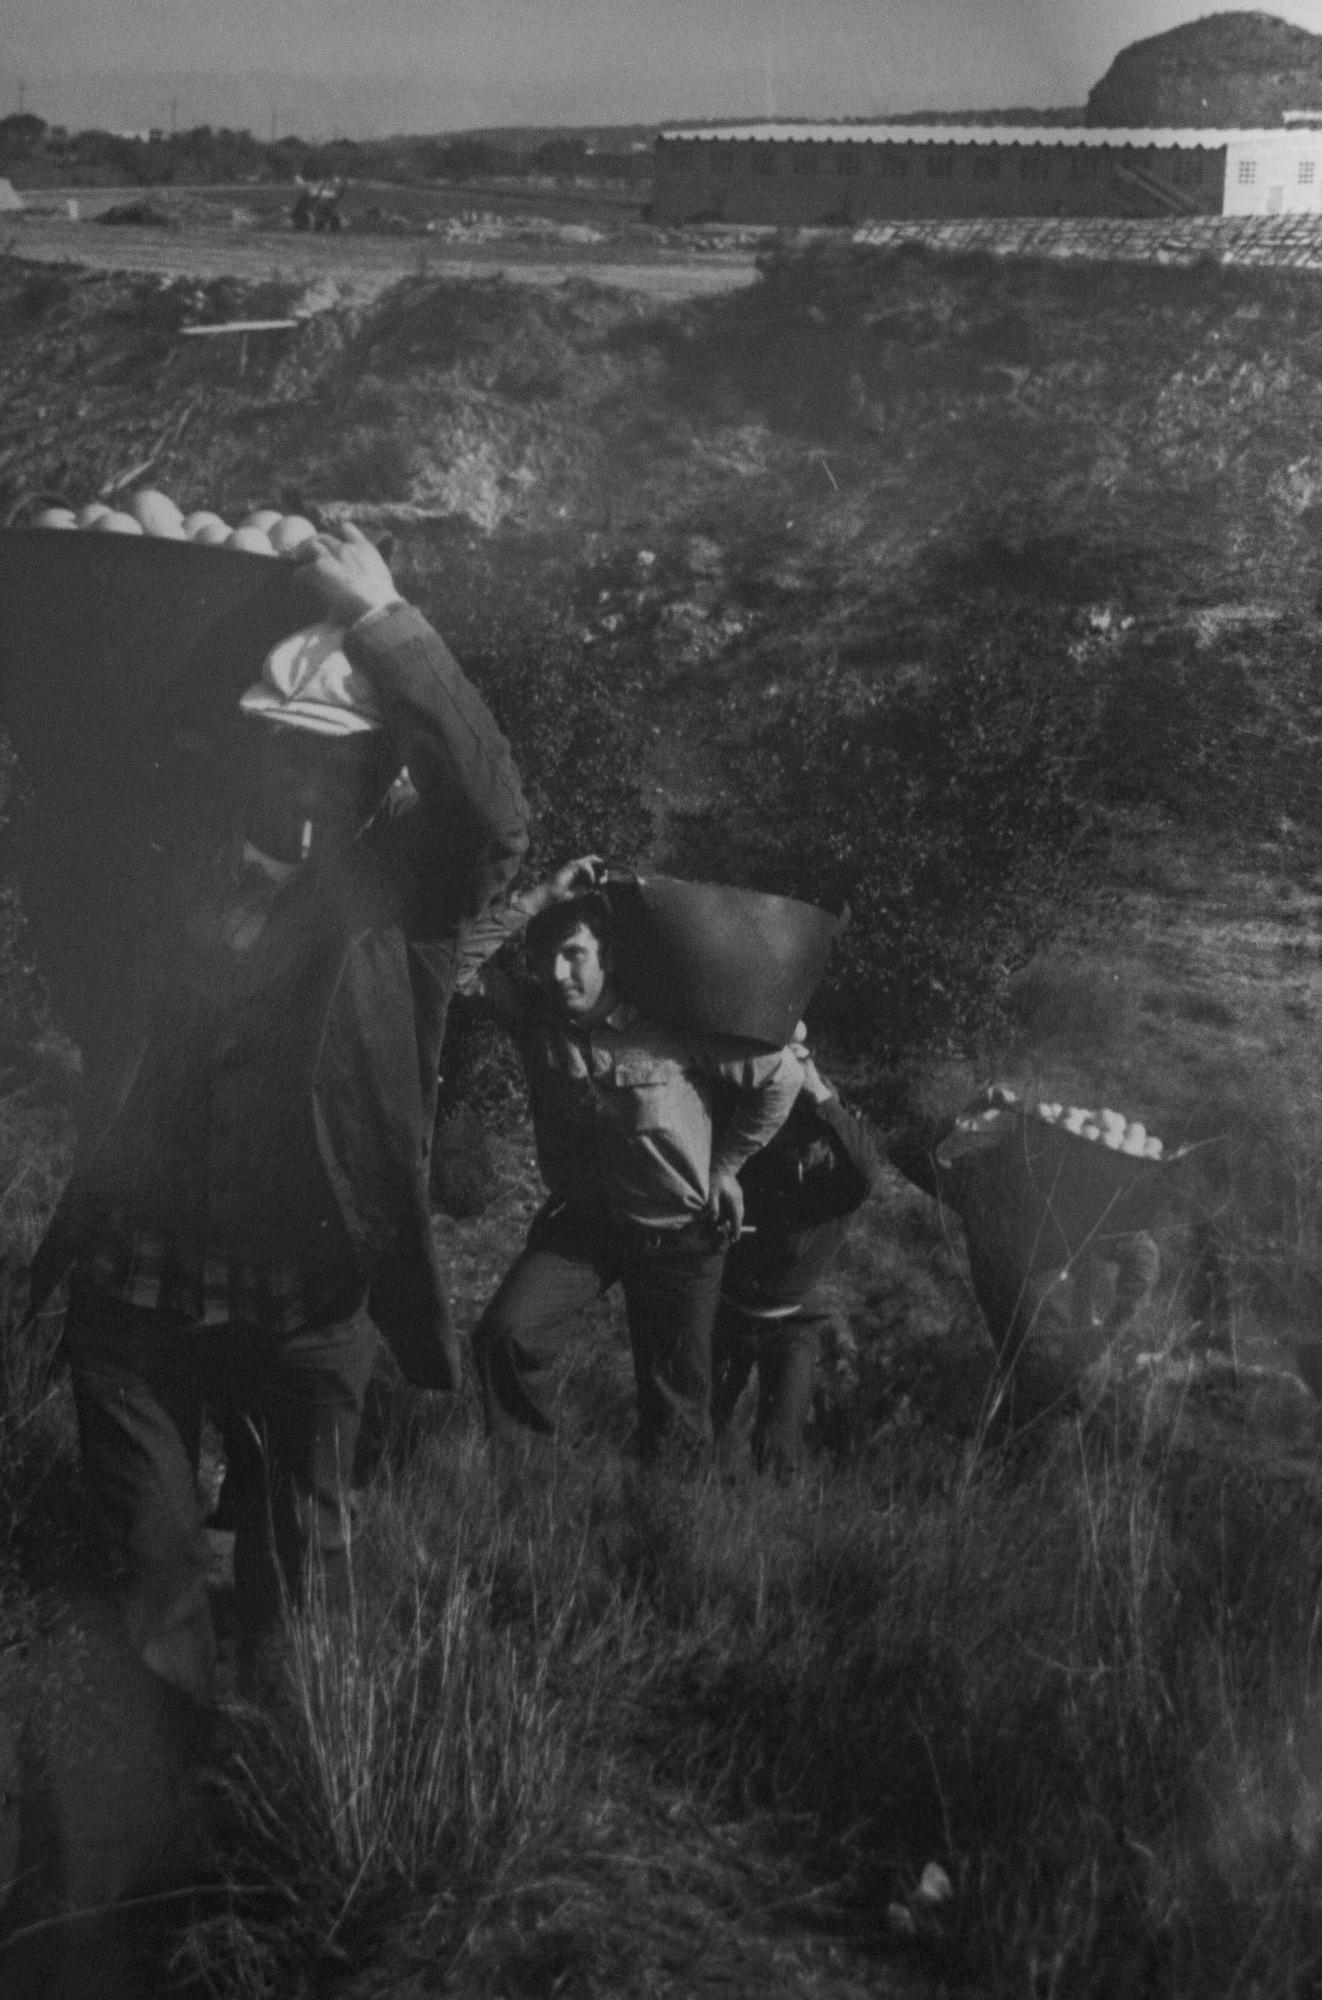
(660, 991)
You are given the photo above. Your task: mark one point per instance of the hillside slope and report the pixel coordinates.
(903, 581)
(863, 466)
(985, 595)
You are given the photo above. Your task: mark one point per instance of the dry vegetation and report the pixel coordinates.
(983, 595)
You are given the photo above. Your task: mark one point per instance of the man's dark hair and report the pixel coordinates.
(552, 925)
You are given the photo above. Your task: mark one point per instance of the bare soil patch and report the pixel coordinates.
(354, 269)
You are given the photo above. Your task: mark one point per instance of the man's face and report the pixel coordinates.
(311, 791)
(576, 972)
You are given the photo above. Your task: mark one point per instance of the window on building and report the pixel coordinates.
(893, 162)
(764, 159)
(848, 160)
(986, 163)
(1247, 172)
(1307, 173)
(940, 165)
(1035, 165)
(803, 159)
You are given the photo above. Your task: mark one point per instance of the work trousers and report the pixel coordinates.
(784, 1352)
(671, 1279)
(772, 1317)
(290, 1404)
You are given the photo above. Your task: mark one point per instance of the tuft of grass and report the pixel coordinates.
(425, 1745)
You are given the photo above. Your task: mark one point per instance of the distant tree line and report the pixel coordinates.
(35, 153)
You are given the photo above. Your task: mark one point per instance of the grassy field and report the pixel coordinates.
(984, 595)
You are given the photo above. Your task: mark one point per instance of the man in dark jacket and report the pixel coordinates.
(257, 1205)
(801, 1194)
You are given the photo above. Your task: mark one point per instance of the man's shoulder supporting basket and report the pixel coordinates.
(718, 960)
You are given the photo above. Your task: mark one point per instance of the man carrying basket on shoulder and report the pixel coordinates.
(641, 1170)
(257, 1204)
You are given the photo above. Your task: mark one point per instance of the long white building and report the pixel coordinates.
(821, 174)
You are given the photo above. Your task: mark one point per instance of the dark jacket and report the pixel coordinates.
(801, 1193)
(370, 942)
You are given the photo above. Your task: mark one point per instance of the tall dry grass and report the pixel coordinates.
(1080, 1673)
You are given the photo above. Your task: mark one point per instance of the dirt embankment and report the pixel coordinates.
(355, 267)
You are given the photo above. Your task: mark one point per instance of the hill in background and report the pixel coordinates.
(1226, 69)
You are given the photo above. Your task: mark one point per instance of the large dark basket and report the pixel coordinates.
(718, 960)
(1070, 1194)
(121, 662)
(1094, 1189)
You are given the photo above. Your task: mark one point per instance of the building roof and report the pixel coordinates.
(989, 135)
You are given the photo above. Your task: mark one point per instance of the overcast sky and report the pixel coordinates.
(436, 64)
